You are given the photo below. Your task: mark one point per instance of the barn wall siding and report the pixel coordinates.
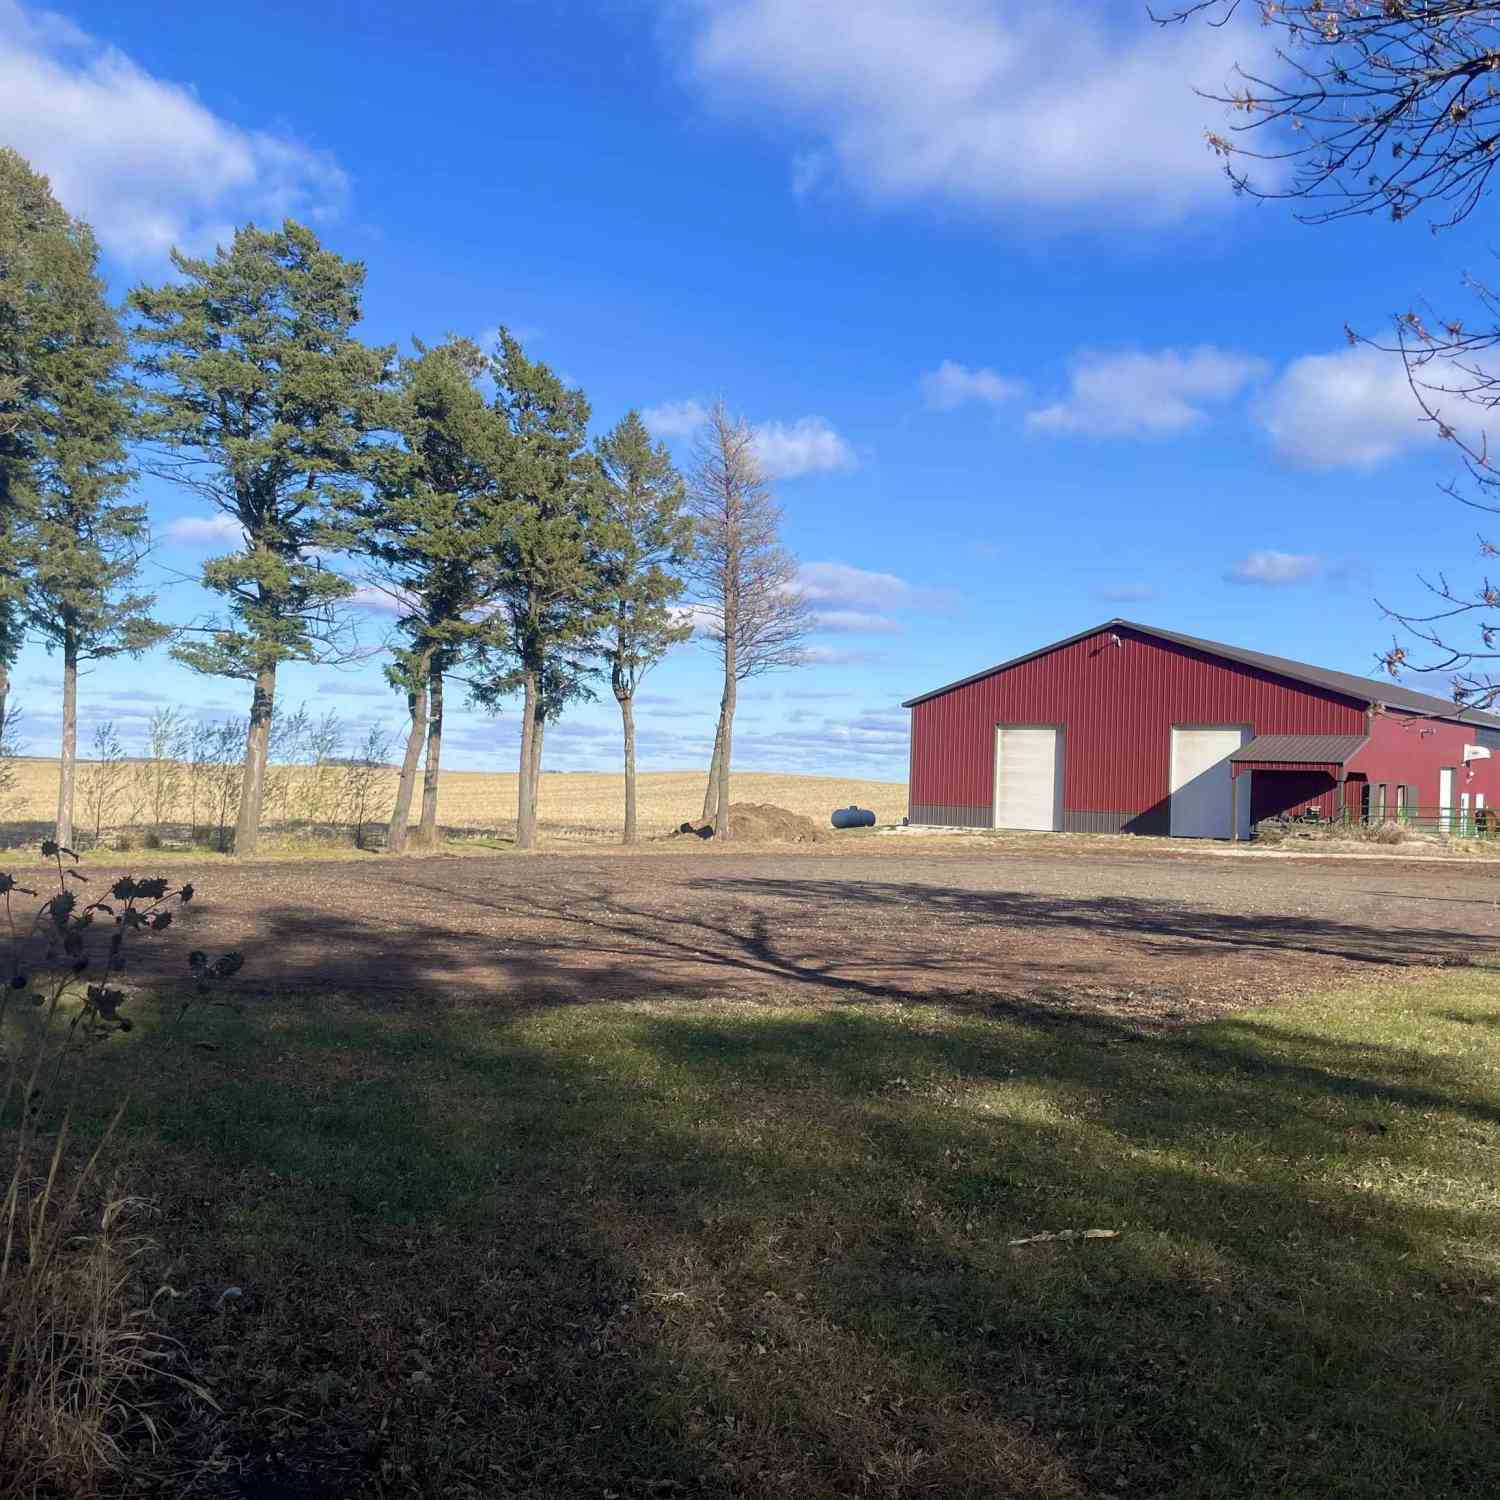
(1119, 704)
(938, 816)
(1411, 752)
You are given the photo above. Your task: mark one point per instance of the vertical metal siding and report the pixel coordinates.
(1412, 751)
(1119, 704)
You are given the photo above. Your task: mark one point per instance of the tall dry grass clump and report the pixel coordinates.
(79, 1355)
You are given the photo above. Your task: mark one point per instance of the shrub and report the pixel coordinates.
(75, 1352)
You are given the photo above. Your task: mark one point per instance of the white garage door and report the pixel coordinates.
(1028, 778)
(1202, 794)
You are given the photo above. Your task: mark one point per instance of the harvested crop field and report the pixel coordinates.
(572, 803)
(1162, 939)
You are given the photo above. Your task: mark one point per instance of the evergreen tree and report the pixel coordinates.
(433, 530)
(551, 586)
(39, 255)
(258, 398)
(73, 550)
(646, 535)
(82, 552)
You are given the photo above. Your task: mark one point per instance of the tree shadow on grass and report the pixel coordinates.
(659, 1249)
(1156, 926)
(1162, 962)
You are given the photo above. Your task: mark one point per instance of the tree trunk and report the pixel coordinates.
(726, 751)
(525, 828)
(427, 831)
(67, 770)
(257, 746)
(726, 742)
(395, 839)
(627, 719)
(4, 692)
(538, 733)
(711, 792)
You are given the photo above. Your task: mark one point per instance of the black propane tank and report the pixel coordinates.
(853, 817)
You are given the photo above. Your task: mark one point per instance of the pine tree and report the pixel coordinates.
(432, 531)
(82, 552)
(552, 587)
(257, 397)
(74, 549)
(38, 250)
(646, 535)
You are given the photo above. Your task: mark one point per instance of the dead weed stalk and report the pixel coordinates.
(79, 1356)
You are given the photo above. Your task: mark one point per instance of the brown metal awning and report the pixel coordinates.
(1298, 752)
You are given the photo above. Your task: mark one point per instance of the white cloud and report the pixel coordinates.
(839, 585)
(143, 159)
(855, 622)
(204, 532)
(979, 102)
(1134, 394)
(381, 601)
(1268, 569)
(952, 384)
(706, 622)
(675, 419)
(807, 446)
(1351, 409)
(834, 656)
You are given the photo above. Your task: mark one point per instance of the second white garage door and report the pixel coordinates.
(1028, 778)
(1202, 796)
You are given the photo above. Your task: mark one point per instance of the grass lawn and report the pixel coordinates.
(712, 1249)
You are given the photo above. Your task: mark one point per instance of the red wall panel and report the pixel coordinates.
(1412, 751)
(1118, 703)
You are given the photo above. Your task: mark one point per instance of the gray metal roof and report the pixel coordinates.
(1309, 749)
(1365, 689)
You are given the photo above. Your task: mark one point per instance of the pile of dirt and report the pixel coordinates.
(762, 823)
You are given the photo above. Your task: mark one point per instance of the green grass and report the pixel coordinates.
(734, 1249)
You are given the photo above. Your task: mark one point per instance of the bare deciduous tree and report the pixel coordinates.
(106, 780)
(161, 773)
(1376, 106)
(10, 725)
(1389, 107)
(743, 582)
(365, 782)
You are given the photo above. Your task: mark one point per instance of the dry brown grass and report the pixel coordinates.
(80, 1346)
(584, 802)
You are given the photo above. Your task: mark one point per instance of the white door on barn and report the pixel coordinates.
(1028, 777)
(1202, 790)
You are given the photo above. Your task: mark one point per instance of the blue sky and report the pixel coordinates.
(1019, 358)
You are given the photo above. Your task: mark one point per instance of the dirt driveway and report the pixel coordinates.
(1160, 939)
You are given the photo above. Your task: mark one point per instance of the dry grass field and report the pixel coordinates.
(573, 804)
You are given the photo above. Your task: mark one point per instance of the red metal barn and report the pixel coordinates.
(1130, 729)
